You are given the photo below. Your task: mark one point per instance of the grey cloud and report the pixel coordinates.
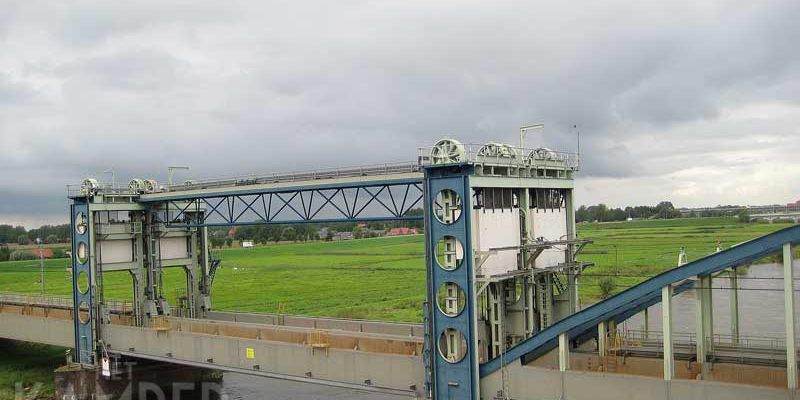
(242, 87)
(132, 70)
(15, 92)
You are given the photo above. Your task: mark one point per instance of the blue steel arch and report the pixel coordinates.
(84, 331)
(451, 380)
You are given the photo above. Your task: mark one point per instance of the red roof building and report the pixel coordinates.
(401, 231)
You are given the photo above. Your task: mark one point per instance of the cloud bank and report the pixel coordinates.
(696, 103)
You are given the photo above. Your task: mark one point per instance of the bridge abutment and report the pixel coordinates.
(134, 379)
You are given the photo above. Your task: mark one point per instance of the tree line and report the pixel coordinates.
(219, 237)
(603, 213)
(47, 233)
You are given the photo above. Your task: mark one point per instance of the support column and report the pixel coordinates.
(572, 279)
(708, 312)
(563, 352)
(496, 298)
(700, 333)
(666, 312)
(704, 320)
(734, 298)
(789, 317)
(602, 340)
(572, 288)
(549, 313)
(530, 303)
(646, 323)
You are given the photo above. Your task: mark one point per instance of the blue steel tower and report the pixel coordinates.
(501, 246)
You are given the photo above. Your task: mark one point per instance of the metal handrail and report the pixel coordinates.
(513, 156)
(59, 301)
(315, 174)
(277, 177)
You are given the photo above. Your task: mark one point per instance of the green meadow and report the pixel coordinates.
(384, 278)
(637, 249)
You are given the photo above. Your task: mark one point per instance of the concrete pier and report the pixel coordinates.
(135, 379)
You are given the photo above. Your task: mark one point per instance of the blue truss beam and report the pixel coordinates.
(315, 221)
(244, 190)
(644, 292)
(342, 202)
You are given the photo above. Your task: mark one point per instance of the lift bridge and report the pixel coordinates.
(501, 321)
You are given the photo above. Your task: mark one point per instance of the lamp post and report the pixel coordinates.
(41, 265)
(172, 170)
(113, 176)
(523, 130)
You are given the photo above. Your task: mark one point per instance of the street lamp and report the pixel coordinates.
(113, 177)
(172, 170)
(524, 129)
(41, 264)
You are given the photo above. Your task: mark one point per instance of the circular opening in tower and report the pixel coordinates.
(80, 223)
(451, 299)
(452, 345)
(447, 206)
(449, 253)
(81, 253)
(83, 282)
(83, 312)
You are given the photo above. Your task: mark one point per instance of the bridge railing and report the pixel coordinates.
(59, 301)
(307, 175)
(36, 299)
(722, 345)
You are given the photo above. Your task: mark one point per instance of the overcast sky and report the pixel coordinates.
(697, 102)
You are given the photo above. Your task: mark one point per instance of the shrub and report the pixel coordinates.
(20, 255)
(59, 253)
(607, 286)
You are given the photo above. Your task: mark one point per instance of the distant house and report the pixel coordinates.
(45, 252)
(796, 204)
(342, 236)
(375, 232)
(401, 231)
(247, 244)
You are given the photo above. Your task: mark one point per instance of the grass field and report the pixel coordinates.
(645, 248)
(384, 278)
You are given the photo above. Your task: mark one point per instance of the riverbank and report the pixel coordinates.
(28, 367)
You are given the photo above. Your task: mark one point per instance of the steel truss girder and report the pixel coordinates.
(390, 201)
(631, 299)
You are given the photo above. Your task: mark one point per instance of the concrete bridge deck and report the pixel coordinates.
(368, 354)
(353, 354)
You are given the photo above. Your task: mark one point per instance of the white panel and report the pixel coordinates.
(552, 225)
(493, 229)
(115, 251)
(172, 248)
